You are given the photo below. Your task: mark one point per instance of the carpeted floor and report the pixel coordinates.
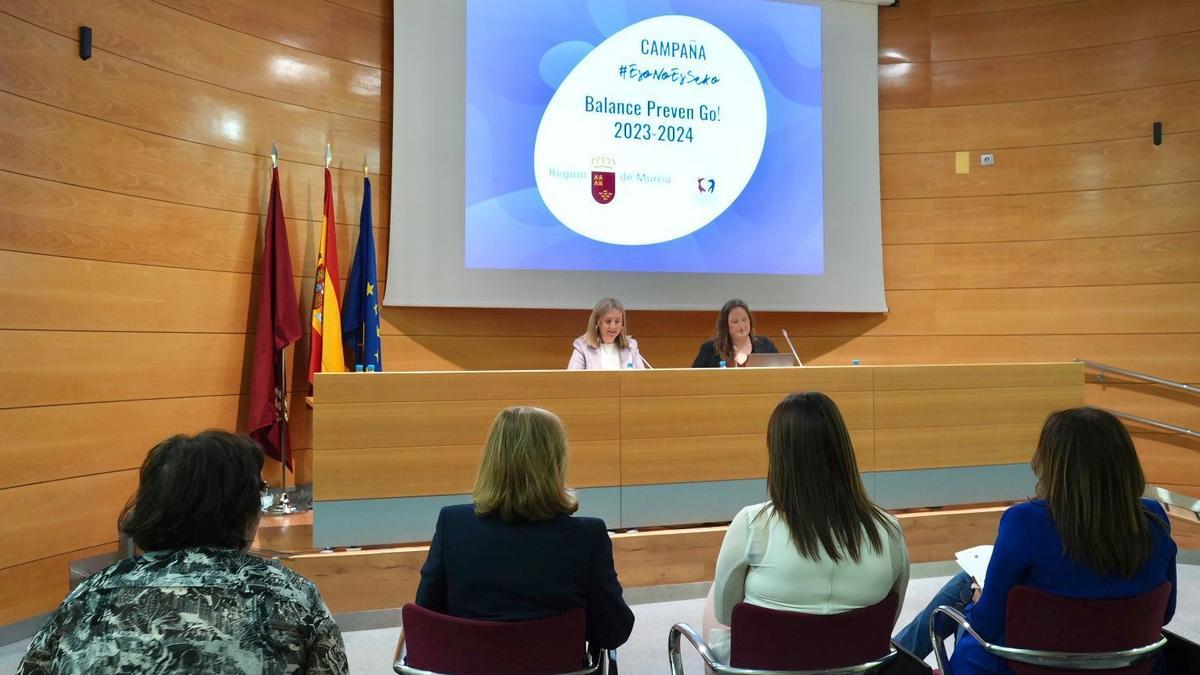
(370, 651)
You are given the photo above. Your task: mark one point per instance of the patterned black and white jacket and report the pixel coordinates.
(199, 610)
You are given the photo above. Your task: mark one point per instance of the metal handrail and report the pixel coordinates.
(1153, 423)
(1103, 368)
(1181, 501)
(1157, 424)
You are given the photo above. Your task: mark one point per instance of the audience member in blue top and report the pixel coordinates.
(1087, 535)
(517, 553)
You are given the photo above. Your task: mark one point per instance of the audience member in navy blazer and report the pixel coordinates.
(1087, 535)
(517, 553)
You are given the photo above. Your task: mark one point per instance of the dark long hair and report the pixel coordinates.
(1088, 473)
(721, 339)
(202, 490)
(814, 484)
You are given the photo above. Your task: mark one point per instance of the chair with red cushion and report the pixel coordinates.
(1047, 633)
(767, 641)
(438, 644)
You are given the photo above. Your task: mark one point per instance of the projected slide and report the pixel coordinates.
(644, 136)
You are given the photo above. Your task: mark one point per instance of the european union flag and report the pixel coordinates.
(360, 313)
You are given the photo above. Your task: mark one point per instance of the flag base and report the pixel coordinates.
(284, 506)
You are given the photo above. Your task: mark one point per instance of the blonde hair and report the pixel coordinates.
(606, 305)
(523, 472)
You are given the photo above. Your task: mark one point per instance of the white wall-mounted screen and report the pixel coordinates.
(673, 153)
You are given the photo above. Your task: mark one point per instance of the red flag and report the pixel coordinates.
(277, 327)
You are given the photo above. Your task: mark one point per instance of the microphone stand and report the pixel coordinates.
(791, 347)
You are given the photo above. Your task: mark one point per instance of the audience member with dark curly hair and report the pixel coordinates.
(195, 601)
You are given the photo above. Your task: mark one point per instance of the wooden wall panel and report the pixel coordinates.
(167, 39)
(444, 469)
(1167, 458)
(931, 408)
(907, 448)
(1059, 27)
(303, 24)
(44, 66)
(1147, 400)
(1083, 166)
(380, 8)
(45, 519)
(353, 581)
(1071, 72)
(351, 388)
(132, 188)
(38, 587)
(387, 424)
(1075, 119)
(106, 437)
(666, 416)
(1150, 259)
(1151, 209)
(164, 169)
(705, 458)
(66, 221)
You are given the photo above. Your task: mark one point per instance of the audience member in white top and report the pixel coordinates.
(819, 546)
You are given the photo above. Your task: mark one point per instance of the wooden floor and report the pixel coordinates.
(386, 577)
(373, 578)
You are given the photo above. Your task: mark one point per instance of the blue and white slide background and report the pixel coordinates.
(716, 158)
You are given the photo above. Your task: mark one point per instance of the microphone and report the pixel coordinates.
(645, 362)
(792, 347)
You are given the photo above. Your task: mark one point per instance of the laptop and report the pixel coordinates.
(757, 360)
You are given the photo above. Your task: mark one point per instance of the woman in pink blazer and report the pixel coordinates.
(605, 345)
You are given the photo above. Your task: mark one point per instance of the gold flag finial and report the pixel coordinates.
(366, 171)
(274, 156)
(328, 155)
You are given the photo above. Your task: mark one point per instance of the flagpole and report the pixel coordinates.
(362, 342)
(283, 505)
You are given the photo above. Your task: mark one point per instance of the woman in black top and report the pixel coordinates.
(517, 553)
(733, 339)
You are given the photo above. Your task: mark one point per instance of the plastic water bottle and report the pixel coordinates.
(629, 365)
(370, 367)
(721, 365)
(358, 367)
(854, 362)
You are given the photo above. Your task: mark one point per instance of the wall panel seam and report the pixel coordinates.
(992, 148)
(282, 160)
(1043, 53)
(55, 555)
(1030, 100)
(70, 477)
(1040, 192)
(884, 17)
(93, 188)
(360, 11)
(956, 242)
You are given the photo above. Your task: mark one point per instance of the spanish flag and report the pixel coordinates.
(326, 356)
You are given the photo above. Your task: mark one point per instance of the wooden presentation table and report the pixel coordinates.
(670, 446)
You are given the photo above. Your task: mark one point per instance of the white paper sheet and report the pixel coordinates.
(974, 561)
